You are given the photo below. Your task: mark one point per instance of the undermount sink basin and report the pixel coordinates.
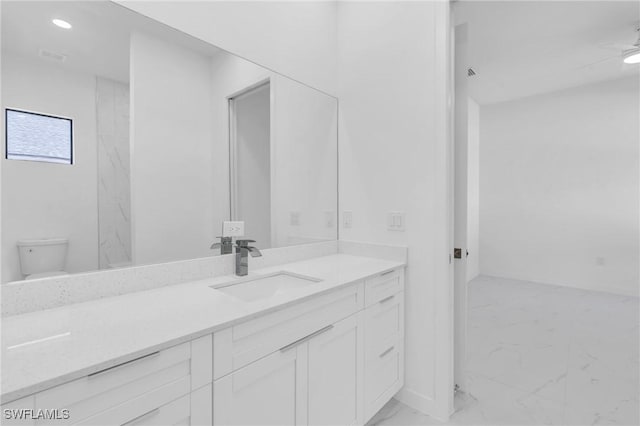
(264, 287)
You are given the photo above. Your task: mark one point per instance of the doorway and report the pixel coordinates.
(250, 161)
(545, 185)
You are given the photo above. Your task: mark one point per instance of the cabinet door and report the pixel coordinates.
(335, 367)
(262, 393)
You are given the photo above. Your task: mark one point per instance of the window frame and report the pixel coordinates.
(59, 117)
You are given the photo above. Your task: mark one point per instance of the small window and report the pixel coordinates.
(38, 137)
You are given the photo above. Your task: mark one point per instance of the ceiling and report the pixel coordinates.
(525, 48)
(97, 44)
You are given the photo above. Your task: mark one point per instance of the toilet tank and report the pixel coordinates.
(44, 255)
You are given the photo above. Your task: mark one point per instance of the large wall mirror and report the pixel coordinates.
(129, 143)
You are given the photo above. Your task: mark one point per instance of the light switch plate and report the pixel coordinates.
(347, 218)
(396, 221)
(233, 229)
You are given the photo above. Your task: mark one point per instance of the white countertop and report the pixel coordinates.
(46, 348)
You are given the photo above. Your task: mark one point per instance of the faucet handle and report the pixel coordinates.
(244, 243)
(223, 241)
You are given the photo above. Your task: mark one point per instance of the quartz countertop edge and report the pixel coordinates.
(44, 349)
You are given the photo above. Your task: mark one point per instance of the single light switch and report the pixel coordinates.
(233, 229)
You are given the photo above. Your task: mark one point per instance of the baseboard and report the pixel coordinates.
(425, 404)
(618, 291)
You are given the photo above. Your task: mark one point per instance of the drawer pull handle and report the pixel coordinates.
(123, 364)
(387, 273)
(304, 339)
(386, 299)
(382, 355)
(142, 416)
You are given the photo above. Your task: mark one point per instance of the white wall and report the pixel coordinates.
(305, 169)
(559, 188)
(173, 209)
(393, 70)
(42, 200)
(473, 189)
(297, 39)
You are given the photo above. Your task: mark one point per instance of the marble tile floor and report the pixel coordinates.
(544, 355)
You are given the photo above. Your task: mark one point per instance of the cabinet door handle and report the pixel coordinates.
(304, 339)
(123, 364)
(386, 299)
(387, 273)
(142, 417)
(382, 355)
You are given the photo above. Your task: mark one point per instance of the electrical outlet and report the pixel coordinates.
(329, 218)
(233, 229)
(295, 219)
(396, 221)
(347, 219)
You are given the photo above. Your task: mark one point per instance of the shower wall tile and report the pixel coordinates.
(114, 198)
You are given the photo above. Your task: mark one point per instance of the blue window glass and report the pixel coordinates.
(38, 137)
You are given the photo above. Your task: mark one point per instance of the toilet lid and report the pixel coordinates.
(45, 275)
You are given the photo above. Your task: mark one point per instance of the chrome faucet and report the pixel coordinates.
(243, 249)
(225, 245)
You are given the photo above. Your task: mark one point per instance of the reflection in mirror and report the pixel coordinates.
(169, 137)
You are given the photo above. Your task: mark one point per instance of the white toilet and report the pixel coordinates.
(43, 258)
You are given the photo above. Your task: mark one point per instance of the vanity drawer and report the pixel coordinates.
(114, 385)
(383, 285)
(167, 405)
(384, 324)
(174, 413)
(155, 378)
(384, 376)
(244, 343)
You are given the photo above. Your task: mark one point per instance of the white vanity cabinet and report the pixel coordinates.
(332, 360)
(312, 381)
(334, 394)
(168, 387)
(295, 366)
(262, 393)
(384, 339)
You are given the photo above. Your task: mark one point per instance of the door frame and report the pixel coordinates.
(232, 136)
(460, 208)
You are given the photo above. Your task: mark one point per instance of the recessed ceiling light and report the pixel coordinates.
(61, 23)
(632, 57)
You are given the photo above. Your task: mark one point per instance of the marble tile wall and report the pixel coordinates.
(114, 202)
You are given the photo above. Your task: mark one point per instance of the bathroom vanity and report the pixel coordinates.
(328, 352)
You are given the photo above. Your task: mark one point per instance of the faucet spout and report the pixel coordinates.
(254, 252)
